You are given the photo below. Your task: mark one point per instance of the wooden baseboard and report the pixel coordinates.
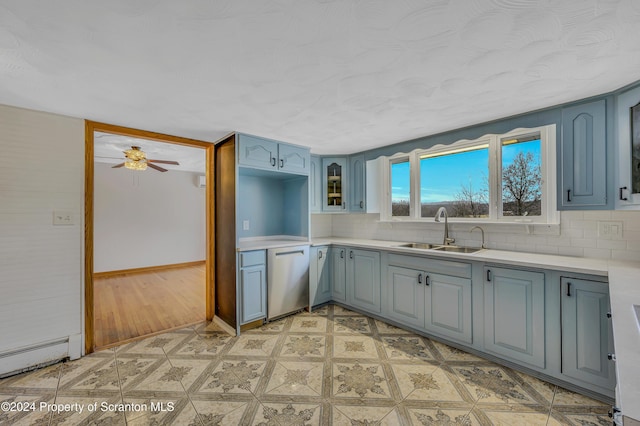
(250, 325)
(223, 325)
(108, 274)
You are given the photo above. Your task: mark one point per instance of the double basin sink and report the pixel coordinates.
(441, 247)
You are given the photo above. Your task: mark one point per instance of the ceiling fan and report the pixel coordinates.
(136, 159)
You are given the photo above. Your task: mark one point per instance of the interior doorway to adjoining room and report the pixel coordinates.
(145, 257)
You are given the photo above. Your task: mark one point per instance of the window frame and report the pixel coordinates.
(549, 213)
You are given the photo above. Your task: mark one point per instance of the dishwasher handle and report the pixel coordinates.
(292, 252)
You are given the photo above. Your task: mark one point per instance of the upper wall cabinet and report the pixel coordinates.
(271, 155)
(334, 184)
(357, 184)
(628, 136)
(584, 157)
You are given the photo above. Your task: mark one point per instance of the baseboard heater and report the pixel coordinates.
(29, 358)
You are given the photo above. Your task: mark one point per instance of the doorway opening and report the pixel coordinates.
(166, 290)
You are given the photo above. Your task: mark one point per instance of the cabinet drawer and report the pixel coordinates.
(250, 258)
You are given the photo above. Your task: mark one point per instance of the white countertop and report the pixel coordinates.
(624, 292)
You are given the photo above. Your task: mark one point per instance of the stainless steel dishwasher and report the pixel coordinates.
(287, 280)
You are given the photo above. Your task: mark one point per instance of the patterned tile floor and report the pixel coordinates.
(329, 367)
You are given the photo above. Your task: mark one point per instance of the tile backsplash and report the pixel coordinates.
(580, 233)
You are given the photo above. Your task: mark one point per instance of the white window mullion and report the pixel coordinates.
(495, 187)
(414, 166)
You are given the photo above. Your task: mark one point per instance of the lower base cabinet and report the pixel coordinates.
(514, 315)
(438, 303)
(253, 286)
(338, 274)
(319, 276)
(363, 279)
(586, 332)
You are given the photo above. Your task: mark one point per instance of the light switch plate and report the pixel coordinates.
(610, 229)
(245, 225)
(63, 217)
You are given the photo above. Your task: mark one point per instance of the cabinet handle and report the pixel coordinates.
(427, 281)
(281, 163)
(488, 274)
(344, 205)
(613, 411)
(362, 204)
(569, 289)
(419, 278)
(611, 357)
(622, 197)
(609, 314)
(341, 254)
(319, 254)
(273, 161)
(351, 254)
(568, 195)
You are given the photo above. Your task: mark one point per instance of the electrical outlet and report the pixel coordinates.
(63, 217)
(245, 225)
(610, 230)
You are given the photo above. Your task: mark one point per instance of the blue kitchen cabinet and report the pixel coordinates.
(257, 152)
(586, 332)
(448, 306)
(405, 295)
(431, 295)
(261, 153)
(583, 182)
(293, 159)
(363, 279)
(319, 276)
(315, 184)
(253, 286)
(338, 273)
(514, 315)
(357, 184)
(334, 184)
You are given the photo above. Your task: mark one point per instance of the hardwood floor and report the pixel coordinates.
(132, 305)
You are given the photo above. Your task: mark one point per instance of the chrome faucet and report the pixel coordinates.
(481, 230)
(446, 240)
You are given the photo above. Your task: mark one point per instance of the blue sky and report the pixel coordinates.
(442, 177)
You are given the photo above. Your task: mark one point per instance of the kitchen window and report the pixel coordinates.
(497, 178)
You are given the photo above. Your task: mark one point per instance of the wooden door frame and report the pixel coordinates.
(90, 128)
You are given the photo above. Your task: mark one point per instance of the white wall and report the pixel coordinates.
(41, 265)
(577, 234)
(147, 218)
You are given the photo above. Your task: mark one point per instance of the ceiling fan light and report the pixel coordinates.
(135, 154)
(136, 165)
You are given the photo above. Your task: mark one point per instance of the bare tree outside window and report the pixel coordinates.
(471, 201)
(521, 186)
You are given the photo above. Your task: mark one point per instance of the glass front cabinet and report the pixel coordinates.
(334, 178)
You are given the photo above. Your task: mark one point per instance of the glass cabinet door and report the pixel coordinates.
(334, 178)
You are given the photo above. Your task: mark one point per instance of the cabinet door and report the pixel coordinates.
(405, 295)
(448, 306)
(320, 279)
(338, 273)
(586, 332)
(514, 314)
(363, 279)
(584, 153)
(357, 184)
(257, 152)
(253, 288)
(315, 184)
(293, 159)
(334, 184)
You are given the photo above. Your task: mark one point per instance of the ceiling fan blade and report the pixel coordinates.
(175, 163)
(153, 166)
(116, 166)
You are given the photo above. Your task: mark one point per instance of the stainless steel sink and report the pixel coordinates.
(457, 249)
(424, 246)
(440, 247)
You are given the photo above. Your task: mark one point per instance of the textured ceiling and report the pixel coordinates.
(338, 76)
